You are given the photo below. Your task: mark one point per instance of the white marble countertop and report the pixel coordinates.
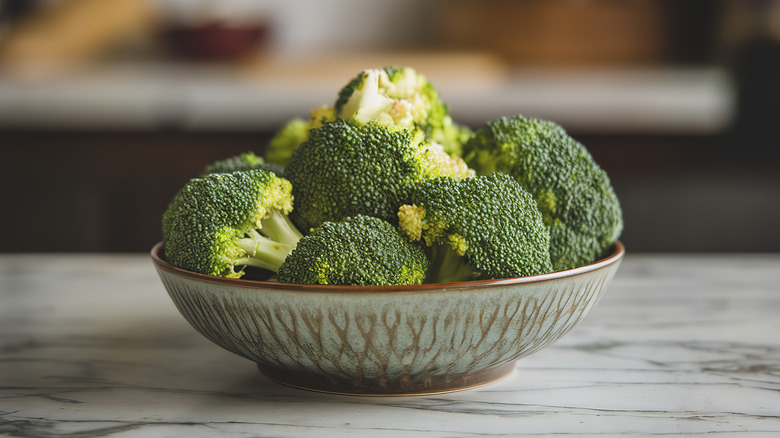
(91, 346)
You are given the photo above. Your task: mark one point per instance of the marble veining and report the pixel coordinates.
(91, 346)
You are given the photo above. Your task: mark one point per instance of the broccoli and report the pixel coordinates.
(359, 250)
(398, 97)
(286, 140)
(477, 228)
(401, 97)
(320, 115)
(243, 161)
(293, 133)
(220, 223)
(574, 195)
(345, 169)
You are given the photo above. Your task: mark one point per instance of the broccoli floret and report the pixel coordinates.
(243, 161)
(345, 169)
(451, 136)
(398, 97)
(574, 194)
(319, 116)
(360, 250)
(477, 228)
(401, 97)
(349, 90)
(220, 223)
(286, 140)
(293, 133)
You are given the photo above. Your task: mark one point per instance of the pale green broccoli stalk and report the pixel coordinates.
(574, 195)
(218, 224)
(361, 250)
(485, 227)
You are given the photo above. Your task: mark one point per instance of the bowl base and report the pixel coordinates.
(382, 387)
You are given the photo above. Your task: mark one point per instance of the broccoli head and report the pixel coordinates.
(220, 223)
(243, 161)
(477, 228)
(286, 140)
(400, 97)
(574, 195)
(293, 133)
(345, 169)
(360, 250)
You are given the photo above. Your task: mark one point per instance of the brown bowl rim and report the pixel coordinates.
(616, 254)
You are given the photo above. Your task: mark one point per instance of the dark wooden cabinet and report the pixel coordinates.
(106, 191)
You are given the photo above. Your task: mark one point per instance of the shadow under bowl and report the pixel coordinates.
(387, 340)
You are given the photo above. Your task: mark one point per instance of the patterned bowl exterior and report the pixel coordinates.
(387, 340)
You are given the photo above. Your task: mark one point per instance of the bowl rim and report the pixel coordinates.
(615, 256)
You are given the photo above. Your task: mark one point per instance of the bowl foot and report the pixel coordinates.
(382, 387)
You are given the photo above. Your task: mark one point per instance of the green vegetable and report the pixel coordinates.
(397, 97)
(477, 228)
(243, 161)
(345, 169)
(220, 223)
(574, 195)
(293, 133)
(389, 190)
(401, 97)
(296, 131)
(286, 140)
(360, 250)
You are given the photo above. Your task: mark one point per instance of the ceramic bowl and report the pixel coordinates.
(388, 340)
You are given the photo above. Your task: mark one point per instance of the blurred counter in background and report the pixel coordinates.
(100, 127)
(263, 95)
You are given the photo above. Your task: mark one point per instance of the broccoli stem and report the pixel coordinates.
(448, 266)
(280, 228)
(269, 245)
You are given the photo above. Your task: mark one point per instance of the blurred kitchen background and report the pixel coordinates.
(107, 107)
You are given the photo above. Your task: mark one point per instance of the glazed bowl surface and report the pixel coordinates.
(387, 340)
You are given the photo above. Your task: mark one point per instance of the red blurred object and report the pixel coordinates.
(217, 41)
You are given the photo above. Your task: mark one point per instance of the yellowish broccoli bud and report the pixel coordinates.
(440, 163)
(458, 244)
(320, 115)
(410, 220)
